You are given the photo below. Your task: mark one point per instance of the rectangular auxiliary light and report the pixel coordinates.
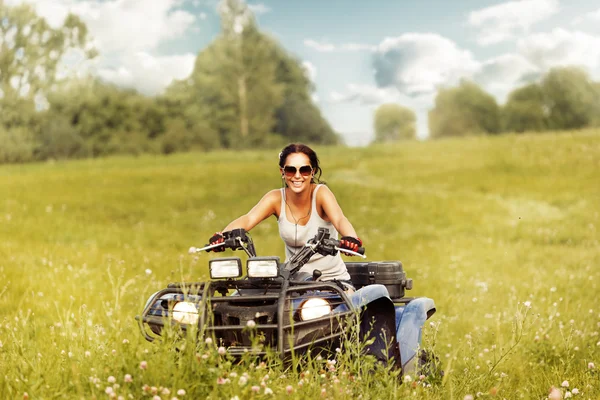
(230, 267)
(263, 267)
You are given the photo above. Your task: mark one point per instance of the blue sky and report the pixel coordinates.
(359, 54)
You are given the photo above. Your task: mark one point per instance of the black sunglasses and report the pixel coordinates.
(290, 170)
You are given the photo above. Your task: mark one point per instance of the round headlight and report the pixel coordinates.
(185, 312)
(314, 308)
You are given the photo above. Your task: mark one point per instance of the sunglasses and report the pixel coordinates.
(290, 170)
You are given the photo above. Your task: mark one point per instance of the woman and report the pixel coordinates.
(302, 206)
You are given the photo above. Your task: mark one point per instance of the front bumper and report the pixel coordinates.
(273, 306)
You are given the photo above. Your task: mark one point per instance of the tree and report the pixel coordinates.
(570, 98)
(298, 118)
(463, 110)
(96, 118)
(188, 123)
(30, 53)
(235, 79)
(596, 108)
(525, 110)
(248, 89)
(394, 122)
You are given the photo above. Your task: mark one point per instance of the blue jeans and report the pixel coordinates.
(409, 319)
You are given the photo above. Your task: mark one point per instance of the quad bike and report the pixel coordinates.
(292, 310)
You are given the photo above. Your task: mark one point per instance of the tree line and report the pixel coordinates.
(245, 90)
(565, 98)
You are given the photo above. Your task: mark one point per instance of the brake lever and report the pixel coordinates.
(349, 252)
(239, 239)
(194, 250)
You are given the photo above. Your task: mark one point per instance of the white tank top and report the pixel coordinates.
(295, 237)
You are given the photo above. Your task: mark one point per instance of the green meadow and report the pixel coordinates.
(502, 232)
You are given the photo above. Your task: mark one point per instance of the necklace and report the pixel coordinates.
(294, 217)
(297, 220)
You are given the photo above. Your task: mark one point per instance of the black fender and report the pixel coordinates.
(378, 323)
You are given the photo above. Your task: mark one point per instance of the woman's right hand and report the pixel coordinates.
(216, 239)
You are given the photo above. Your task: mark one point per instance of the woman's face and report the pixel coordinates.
(297, 172)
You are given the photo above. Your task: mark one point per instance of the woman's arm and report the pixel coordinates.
(261, 211)
(334, 212)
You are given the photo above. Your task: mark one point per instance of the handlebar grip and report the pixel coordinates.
(212, 248)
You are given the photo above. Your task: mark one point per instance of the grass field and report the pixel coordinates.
(502, 232)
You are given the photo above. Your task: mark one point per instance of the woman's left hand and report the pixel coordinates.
(350, 243)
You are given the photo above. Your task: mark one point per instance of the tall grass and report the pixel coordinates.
(502, 232)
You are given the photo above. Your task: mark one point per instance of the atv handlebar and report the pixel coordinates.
(332, 246)
(208, 247)
(360, 252)
(238, 239)
(321, 244)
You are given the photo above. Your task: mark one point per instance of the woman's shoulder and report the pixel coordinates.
(273, 195)
(322, 190)
(323, 194)
(273, 199)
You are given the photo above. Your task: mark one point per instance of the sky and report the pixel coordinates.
(359, 54)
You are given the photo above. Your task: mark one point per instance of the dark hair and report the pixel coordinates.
(310, 153)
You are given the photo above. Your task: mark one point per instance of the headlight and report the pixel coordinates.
(264, 267)
(314, 308)
(185, 312)
(225, 268)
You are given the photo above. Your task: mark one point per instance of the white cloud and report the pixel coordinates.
(356, 47)
(54, 11)
(310, 70)
(326, 47)
(132, 25)
(127, 34)
(120, 25)
(149, 74)
(259, 8)
(501, 75)
(212, 4)
(322, 47)
(507, 20)
(365, 94)
(594, 15)
(418, 63)
(505, 72)
(561, 48)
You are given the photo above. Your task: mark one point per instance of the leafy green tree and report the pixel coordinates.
(298, 119)
(188, 124)
(525, 110)
(17, 144)
(595, 122)
(106, 118)
(30, 54)
(248, 89)
(235, 79)
(59, 139)
(393, 122)
(570, 97)
(463, 110)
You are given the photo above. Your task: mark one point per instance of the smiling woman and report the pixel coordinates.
(302, 206)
